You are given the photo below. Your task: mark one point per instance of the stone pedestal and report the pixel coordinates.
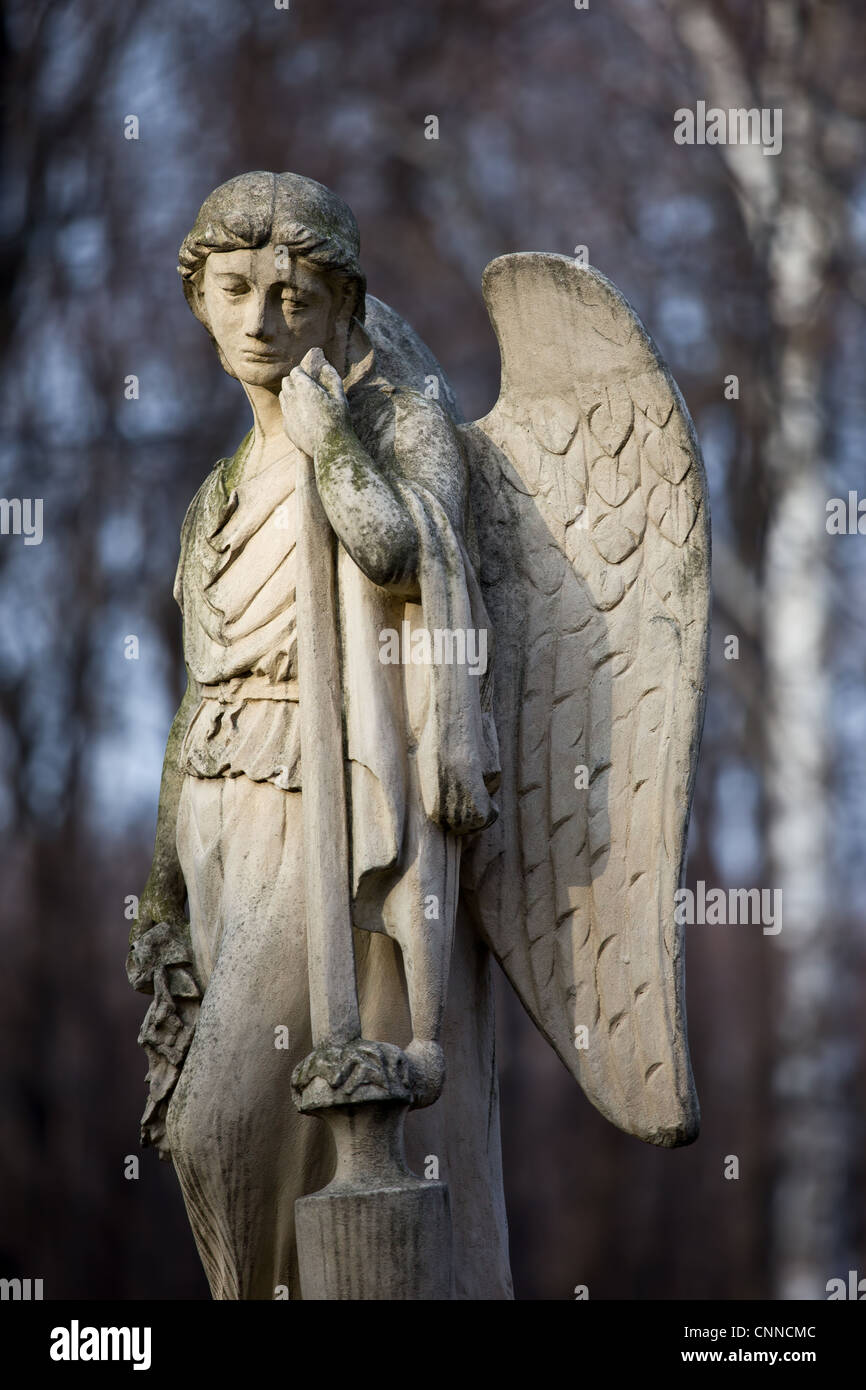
(377, 1231)
(393, 1243)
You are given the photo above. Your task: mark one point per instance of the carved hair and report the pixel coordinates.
(298, 213)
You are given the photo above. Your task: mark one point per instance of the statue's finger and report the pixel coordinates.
(329, 378)
(313, 361)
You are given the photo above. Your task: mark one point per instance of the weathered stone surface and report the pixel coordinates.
(445, 697)
(395, 1244)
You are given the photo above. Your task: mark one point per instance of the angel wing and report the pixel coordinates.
(590, 504)
(403, 357)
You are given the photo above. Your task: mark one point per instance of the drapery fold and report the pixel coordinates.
(415, 729)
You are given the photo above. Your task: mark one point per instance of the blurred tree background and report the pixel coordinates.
(555, 131)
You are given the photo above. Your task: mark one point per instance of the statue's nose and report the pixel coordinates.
(257, 315)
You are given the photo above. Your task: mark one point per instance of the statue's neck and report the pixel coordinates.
(269, 441)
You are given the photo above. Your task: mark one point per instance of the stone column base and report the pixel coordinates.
(388, 1244)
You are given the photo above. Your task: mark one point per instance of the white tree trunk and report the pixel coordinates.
(788, 210)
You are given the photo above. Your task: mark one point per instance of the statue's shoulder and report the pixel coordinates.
(207, 509)
(213, 481)
(212, 487)
(393, 416)
(215, 492)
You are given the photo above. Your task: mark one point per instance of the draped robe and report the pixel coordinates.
(422, 766)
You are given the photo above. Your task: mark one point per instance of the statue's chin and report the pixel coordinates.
(268, 374)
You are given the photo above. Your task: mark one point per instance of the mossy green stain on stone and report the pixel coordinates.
(232, 469)
(337, 449)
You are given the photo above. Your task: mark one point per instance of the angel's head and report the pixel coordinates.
(271, 269)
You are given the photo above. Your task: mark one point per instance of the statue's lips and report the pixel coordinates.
(260, 355)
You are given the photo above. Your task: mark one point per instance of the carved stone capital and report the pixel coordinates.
(352, 1073)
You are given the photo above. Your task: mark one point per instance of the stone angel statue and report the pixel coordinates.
(445, 696)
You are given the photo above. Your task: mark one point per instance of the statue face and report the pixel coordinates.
(265, 319)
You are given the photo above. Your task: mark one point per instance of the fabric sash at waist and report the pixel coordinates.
(250, 688)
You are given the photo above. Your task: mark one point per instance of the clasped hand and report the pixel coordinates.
(313, 403)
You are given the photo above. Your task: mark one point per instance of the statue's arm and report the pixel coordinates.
(366, 512)
(164, 895)
(356, 488)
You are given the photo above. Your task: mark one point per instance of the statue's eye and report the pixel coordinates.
(236, 288)
(291, 301)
